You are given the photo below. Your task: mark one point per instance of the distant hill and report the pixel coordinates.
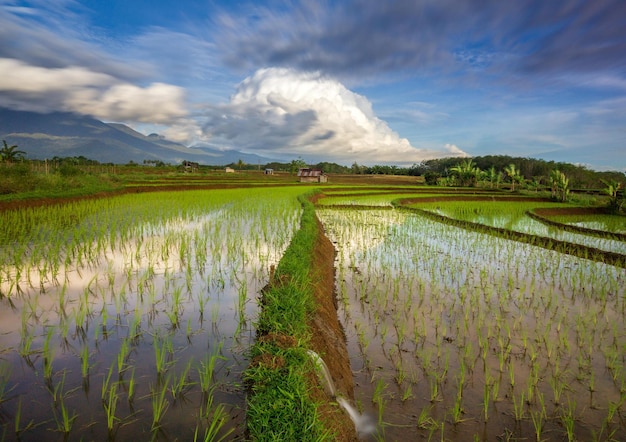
(64, 134)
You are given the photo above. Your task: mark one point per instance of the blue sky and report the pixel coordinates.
(376, 82)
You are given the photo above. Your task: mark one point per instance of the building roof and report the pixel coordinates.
(310, 172)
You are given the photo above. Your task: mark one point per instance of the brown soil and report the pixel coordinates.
(471, 198)
(329, 341)
(564, 211)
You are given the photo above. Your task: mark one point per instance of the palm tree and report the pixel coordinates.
(9, 154)
(466, 173)
(554, 180)
(513, 173)
(493, 177)
(559, 184)
(612, 190)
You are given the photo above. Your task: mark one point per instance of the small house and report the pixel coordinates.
(190, 166)
(312, 176)
(229, 170)
(269, 171)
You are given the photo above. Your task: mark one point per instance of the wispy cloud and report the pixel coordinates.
(52, 35)
(77, 89)
(51, 61)
(363, 39)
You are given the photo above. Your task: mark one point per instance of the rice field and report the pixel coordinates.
(607, 223)
(130, 317)
(513, 216)
(457, 335)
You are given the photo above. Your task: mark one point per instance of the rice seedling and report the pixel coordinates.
(181, 383)
(558, 386)
(163, 351)
(425, 420)
(518, 406)
(568, 419)
(538, 416)
(487, 396)
(110, 406)
(5, 388)
(122, 356)
(206, 371)
(48, 354)
(84, 361)
(62, 417)
(216, 423)
(379, 391)
(160, 404)
(457, 409)
(106, 383)
(19, 429)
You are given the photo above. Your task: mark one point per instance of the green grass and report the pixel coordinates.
(279, 406)
(20, 182)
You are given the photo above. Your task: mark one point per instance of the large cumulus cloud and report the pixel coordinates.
(284, 111)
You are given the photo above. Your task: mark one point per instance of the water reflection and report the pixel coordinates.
(162, 309)
(454, 333)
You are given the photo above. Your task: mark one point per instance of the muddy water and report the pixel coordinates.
(462, 336)
(181, 297)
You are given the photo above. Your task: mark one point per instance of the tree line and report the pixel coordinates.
(528, 172)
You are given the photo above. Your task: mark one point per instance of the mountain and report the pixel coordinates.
(65, 134)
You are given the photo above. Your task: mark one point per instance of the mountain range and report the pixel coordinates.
(63, 134)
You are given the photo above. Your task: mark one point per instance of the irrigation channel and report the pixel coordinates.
(129, 318)
(459, 335)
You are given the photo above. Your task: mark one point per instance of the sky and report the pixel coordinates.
(366, 81)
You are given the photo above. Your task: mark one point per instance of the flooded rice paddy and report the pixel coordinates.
(137, 326)
(457, 335)
(513, 217)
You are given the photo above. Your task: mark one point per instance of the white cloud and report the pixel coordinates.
(454, 151)
(283, 111)
(78, 89)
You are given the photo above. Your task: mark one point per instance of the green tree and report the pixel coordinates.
(466, 173)
(559, 185)
(296, 164)
(494, 178)
(513, 174)
(431, 178)
(10, 154)
(612, 189)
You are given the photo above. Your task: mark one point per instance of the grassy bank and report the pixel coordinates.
(280, 406)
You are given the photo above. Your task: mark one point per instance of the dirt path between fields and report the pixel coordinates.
(328, 339)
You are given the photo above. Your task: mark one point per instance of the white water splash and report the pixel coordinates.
(363, 423)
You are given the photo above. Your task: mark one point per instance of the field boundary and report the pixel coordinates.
(535, 214)
(568, 248)
(286, 399)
